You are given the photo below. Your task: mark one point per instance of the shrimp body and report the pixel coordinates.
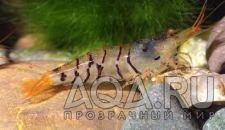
(123, 63)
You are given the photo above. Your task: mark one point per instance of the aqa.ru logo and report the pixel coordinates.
(109, 102)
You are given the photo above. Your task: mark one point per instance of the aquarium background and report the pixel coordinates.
(80, 25)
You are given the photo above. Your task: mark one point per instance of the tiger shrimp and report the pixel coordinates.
(147, 59)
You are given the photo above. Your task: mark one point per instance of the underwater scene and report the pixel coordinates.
(112, 64)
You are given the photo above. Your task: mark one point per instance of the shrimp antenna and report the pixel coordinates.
(199, 20)
(214, 10)
(8, 35)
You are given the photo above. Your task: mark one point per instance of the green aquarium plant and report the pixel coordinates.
(80, 25)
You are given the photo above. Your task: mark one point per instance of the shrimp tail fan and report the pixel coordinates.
(33, 87)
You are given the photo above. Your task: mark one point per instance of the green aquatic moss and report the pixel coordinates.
(80, 25)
